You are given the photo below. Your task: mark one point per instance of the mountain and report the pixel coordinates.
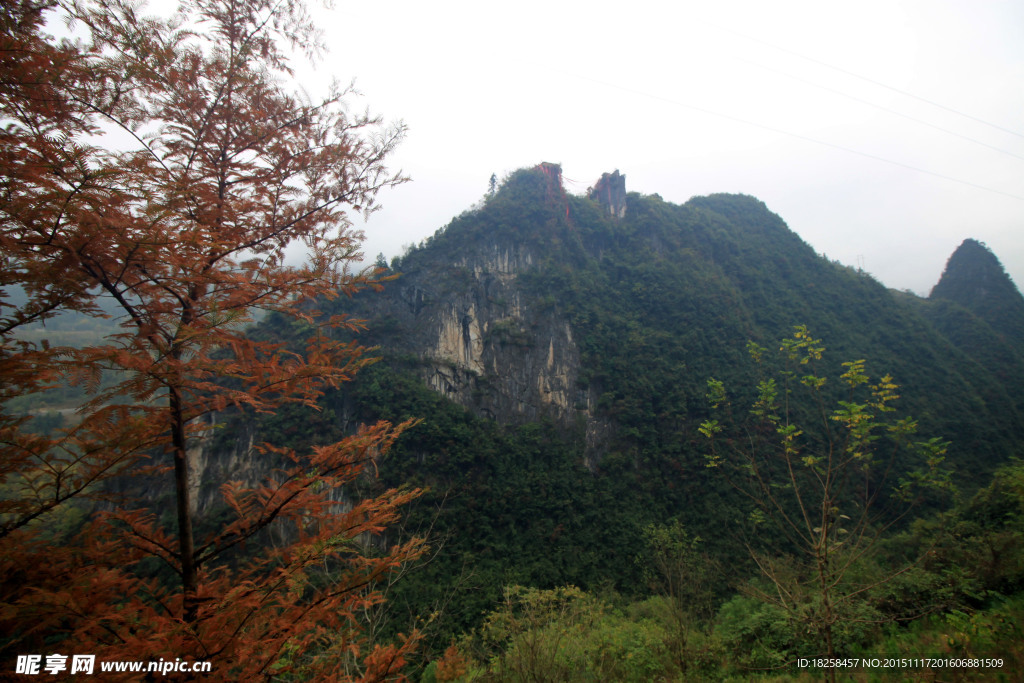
(978, 309)
(538, 304)
(557, 349)
(975, 279)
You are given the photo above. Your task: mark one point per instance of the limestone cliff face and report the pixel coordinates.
(484, 342)
(478, 334)
(210, 464)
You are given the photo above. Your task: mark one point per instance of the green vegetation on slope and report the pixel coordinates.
(658, 302)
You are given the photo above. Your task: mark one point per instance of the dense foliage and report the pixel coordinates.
(181, 228)
(554, 555)
(658, 302)
(975, 280)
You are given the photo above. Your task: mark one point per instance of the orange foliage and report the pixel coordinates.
(452, 666)
(183, 228)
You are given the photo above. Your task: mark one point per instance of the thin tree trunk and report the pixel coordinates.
(827, 617)
(186, 545)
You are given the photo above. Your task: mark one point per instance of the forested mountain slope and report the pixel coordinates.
(977, 307)
(538, 303)
(558, 352)
(975, 279)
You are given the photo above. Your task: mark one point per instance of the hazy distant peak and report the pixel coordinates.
(973, 273)
(975, 279)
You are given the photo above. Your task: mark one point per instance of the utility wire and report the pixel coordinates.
(882, 107)
(799, 136)
(863, 78)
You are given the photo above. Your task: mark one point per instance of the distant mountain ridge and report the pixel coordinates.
(556, 349)
(539, 304)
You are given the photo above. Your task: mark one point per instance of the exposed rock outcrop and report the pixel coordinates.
(480, 348)
(610, 192)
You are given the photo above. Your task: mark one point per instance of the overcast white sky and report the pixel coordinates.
(826, 111)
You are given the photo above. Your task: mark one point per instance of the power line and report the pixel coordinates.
(864, 78)
(799, 136)
(882, 107)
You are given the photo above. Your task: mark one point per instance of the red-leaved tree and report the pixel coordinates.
(180, 225)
